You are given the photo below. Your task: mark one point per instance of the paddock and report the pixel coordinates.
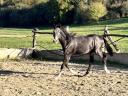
(29, 77)
(36, 78)
(21, 77)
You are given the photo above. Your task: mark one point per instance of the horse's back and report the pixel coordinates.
(83, 44)
(87, 38)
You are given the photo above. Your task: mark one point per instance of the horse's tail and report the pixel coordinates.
(108, 47)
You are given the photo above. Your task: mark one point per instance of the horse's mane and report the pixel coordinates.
(69, 34)
(66, 32)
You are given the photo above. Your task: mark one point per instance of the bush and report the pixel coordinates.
(96, 11)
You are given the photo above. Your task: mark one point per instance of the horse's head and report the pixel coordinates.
(61, 33)
(57, 33)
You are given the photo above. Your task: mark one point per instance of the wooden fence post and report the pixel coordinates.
(34, 37)
(34, 32)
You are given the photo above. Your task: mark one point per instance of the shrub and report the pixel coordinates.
(96, 11)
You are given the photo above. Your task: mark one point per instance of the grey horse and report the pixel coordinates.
(90, 44)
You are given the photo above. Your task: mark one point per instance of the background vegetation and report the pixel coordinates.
(26, 13)
(77, 13)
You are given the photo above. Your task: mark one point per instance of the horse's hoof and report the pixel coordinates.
(74, 72)
(86, 73)
(108, 72)
(80, 75)
(118, 51)
(56, 78)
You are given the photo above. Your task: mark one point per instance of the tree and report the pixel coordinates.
(80, 12)
(65, 10)
(96, 10)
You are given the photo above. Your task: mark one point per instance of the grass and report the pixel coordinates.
(9, 37)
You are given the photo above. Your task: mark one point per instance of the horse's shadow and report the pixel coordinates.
(24, 74)
(8, 72)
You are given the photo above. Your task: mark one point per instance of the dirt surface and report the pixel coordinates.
(36, 78)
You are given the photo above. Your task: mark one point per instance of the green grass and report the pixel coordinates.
(118, 26)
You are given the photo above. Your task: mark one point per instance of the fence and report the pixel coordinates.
(35, 40)
(34, 32)
(25, 38)
(106, 34)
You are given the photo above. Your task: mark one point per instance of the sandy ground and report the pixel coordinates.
(36, 78)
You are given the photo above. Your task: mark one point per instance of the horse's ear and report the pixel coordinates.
(58, 25)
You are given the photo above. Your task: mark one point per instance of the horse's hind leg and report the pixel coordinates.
(105, 63)
(91, 60)
(104, 60)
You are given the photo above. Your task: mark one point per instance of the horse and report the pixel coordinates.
(90, 44)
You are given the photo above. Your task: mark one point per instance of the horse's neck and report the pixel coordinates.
(63, 43)
(64, 40)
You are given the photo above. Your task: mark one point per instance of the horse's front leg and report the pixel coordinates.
(66, 65)
(61, 70)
